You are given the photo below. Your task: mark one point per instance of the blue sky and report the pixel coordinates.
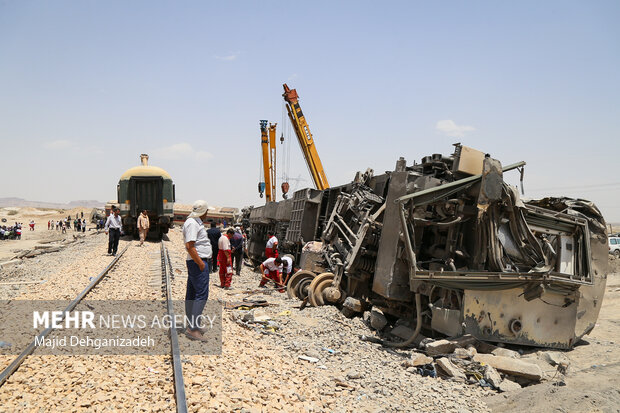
(87, 86)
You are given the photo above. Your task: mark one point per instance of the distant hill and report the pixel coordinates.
(20, 202)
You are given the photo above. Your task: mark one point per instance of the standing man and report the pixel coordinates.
(224, 259)
(271, 269)
(214, 234)
(271, 249)
(143, 226)
(236, 245)
(113, 226)
(199, 254)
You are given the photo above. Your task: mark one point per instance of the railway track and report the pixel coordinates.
(179, 385)
(167, 276)
(12, 368)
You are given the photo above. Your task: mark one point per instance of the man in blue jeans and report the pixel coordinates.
(199, 255)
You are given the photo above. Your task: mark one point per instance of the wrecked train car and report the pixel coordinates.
(448, 244)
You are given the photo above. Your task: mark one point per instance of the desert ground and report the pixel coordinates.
(264, 370)
(41, 233)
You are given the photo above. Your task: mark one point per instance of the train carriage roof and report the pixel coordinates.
(145, 171)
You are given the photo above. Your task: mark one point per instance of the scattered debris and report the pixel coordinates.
(492, 377)
(377, 319)
(509, 385)
(504, 352)
(555, 358)
(440, 347)
(450, 369)
(511, 366)
(354, 375)
(309, 359)
(417, 360)
(245, 305)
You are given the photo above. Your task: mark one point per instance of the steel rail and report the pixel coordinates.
(7, 372)
(179, 385)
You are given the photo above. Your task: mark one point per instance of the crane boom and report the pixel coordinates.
(268, 147)
(305, 138)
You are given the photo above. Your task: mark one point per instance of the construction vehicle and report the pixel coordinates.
(304, 136)
(268, 148)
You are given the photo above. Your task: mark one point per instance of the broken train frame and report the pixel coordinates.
(447, 245)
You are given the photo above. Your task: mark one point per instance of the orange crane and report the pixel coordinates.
(268, 146)
(305, 139)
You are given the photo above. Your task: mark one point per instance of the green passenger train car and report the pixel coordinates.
(146, 187)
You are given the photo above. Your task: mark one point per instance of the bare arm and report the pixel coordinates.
(191, 250)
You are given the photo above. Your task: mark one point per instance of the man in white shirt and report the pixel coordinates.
(199, 254)
(287, 268)
(113, 227)
(271, 269)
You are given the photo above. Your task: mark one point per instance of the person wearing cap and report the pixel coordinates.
(199, 254)
(113, 227)
(271, 249)
(287, 268)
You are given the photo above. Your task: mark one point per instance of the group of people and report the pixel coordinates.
(113, 227)
(11, 232)
(79, 224)
(227, 252)
(275, 268)
(208, 250)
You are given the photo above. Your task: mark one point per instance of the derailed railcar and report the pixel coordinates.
(146, 187)
(448, 244)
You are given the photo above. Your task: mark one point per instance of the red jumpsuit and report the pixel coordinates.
(271, 272)
(224, 263)
(271, 250)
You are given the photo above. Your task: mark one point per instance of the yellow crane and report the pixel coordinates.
(304, 137)
(268, 146)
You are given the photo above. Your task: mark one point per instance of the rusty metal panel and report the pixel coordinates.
(446, 321)
(505, 316)
(391, 278)
(591, 297)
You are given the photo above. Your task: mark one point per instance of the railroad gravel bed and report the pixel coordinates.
(260, 368)
(59, 272)
(94, 383)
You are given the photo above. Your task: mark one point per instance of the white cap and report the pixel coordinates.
(198, 209)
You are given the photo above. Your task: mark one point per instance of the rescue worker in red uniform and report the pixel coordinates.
(271, 249)
(271, 269)
(224, 258)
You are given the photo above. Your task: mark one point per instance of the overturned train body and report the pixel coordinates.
(447, 244)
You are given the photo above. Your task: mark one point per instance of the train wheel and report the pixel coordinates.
(297, 286)
(320, 283)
